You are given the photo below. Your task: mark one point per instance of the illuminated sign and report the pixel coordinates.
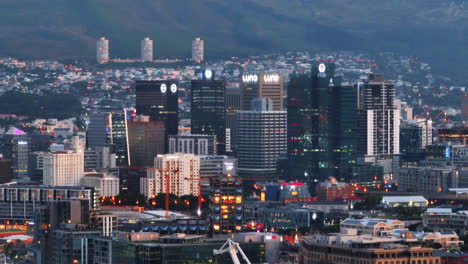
(250, 78)
(229, 166)
(271, 78)
(21, 142)
(163, 88)
(322, 67)
(208, 74)
(173, 88)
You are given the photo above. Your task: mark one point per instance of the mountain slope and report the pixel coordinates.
(67, 29)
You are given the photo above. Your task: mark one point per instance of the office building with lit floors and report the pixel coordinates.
(160, 101)
(15, 145)
(264, 85)
(180, 173)
(261, 139)
(379, 124)
(226, 204)
(208, 113)
(322, 125)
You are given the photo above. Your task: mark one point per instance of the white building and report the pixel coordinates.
(102, 50)
(63, 168)
(182, 171)
(405, 201)
(106, 183)
(198, 49)
(146, 49)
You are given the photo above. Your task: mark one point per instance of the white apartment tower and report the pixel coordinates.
(146, 49)
(181, 173)
(198, 50)
(102, 50)
(63, 168)
(379, 123)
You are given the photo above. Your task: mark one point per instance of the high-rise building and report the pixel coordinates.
(379, 123)
(159, 100)
(261, 139)
(15, 145)
(208, 108)
(193, 144)
(145, 139)
(214, 166)
(233, 105)
(264, 85)
(110, 130)
(6, 170)
(102, 50)
(226, 204)
(415, 134)
(179, 172)
(198, 50)
(107, 184)
(147, 49)
(322, 126)
(63, 168)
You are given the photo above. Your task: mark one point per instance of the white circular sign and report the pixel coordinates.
(173, 88)
(163, 88)
(208, 74)
(322, 67)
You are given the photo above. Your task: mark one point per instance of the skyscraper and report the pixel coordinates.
(264, 85)
(379, 122)
(226, 204)
(208, 108)
(146, 49)
(63, 168)
(102, 50)
(198, 50)
(261, 139)
(15, 145)
(145, 139)
(322, 126)
(233, 105)
(159, 101)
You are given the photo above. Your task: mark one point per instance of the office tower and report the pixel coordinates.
(107, 184)
(379, 123)
(179, 172)
(145, 140)
(233, 105)
(415, 134)
(99, 130)
(198, 50)
(102, 50)
(213, 166)
(159, 101)
(119, 136)
(193, 144)
(322, 126)
(99, 158)
(226, 204)
(261, 139)
(208, 108)
(15, 145)
(264, 85)
(147, 49)
(110, 130)
(63, 168)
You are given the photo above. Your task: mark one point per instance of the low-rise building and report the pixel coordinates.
(446, 219)
(404, 201)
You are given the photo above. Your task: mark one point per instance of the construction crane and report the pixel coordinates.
(233, 248)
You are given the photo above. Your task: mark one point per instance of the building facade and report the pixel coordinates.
(146, 48)
(15, 146)
(198, 50)
(193, 144)
(322, 125)
(264, 85)
(146, 139)
(107, 184)
(102, 50)
(226, 204)
(63, 168)
(179, 173)
(208, 113)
